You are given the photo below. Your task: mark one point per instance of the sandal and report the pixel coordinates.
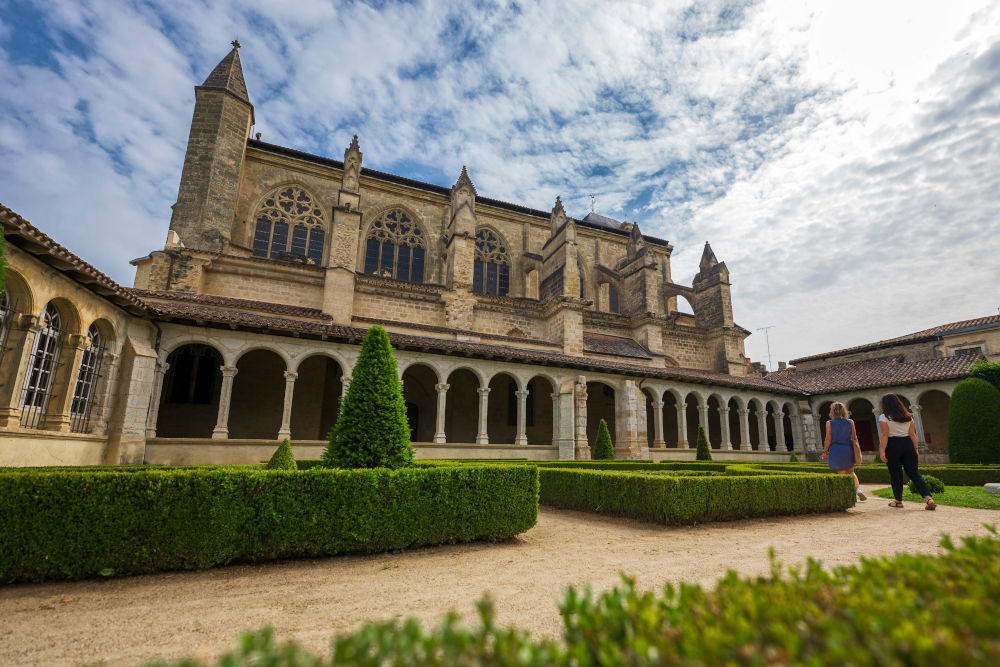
(931, 505)
(896, 503)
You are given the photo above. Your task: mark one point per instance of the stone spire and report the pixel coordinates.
(708, 259)
(558, 217)
(352, 166)
(463, 205)
(636, 243)
(228, 75)
(463, 182)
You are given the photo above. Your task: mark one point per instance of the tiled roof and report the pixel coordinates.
(230, 302)
(614, 345)
(21, 233)
(451, 331)
(430, 187)
(916, 337)
(871, 373)
(209, 315)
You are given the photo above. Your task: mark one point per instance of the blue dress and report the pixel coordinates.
(840, 456)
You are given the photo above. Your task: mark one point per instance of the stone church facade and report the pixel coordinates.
(516, 330)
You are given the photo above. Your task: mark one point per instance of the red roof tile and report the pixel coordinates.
(870, 373)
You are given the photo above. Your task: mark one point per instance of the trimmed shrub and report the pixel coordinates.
(974, 422)
(793, 458)
(372, 430)
(704, 452)
(986, 370)
(283, 458)
(604, 450)
(668, 499)
(63, 525)
(934, 485)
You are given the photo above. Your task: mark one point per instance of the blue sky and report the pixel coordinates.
(842, 158)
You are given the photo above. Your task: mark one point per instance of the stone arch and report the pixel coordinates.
(934, 405)
(692, 408)
(189, 399)
(671, 434)
(71, 322)
(169, 347)
(319, 388)
(756, 418)
(862, 411)
(18, 293)
(501, 413)
(735, 405)
(288, 223)
(540, 418)
(714, 428)
(332, 355)
(462, 405)
(397, 230)
(420, 382)
(256, 347)
(788, 412)
(601, 403)
(107, 330)
(258, 394)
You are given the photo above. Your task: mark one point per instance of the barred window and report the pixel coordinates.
(6, 314)
(289, 208)
(41, 369)
(394, 248)
(491, 271)
(86, 380)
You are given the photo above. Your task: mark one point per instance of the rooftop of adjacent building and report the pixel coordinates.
(888, 371)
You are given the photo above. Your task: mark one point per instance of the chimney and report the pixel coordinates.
(782, 365)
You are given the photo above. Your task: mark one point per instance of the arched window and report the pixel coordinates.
(6, 313)
(86, 380)
(613, 299)
(395, 248)
(41, 369)
(289, 225)
(491, 271)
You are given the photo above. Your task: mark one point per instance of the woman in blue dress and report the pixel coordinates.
(838, 445)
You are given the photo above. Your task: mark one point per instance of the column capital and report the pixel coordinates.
(484, 391)
(915, 408)
(78, 341)
(162, 367)
(723, 410)
(744, 412)
(521, 393)
(658, 404)
(290, 376)
(229, 371)
(555, 395)
(442, 387)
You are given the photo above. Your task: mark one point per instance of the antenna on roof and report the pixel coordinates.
(594, 199)
(768, 339)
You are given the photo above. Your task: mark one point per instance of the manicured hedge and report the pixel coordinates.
(670, 499)
(58, 525)
(907, 609)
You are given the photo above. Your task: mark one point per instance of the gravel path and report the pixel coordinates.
(128, 621)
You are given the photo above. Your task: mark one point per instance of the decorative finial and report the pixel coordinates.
(593, 200)
(354, 144)
(235, 43)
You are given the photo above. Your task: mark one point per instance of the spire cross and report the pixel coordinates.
(235, 43)
(593, 199)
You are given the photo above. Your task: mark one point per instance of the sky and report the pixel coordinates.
(842, 158)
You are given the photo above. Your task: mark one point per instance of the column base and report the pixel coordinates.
(745, 448)
(285, 434)
(659, 444)
(220, 434)
(683, 444)
(440, 438)
(482, 439)
(521, 440)
(57, 423)
(727, 446)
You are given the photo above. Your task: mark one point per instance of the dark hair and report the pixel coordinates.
(894, 409)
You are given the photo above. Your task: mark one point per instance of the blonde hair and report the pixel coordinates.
(838, 411)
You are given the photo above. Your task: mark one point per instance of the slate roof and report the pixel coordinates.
(602, 220)
(614, 345)
(871, 373)
(926, 335)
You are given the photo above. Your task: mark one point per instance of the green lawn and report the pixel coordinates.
(960, 496)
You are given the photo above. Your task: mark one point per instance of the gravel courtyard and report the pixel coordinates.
(128, 621)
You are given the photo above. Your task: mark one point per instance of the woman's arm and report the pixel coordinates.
(913, 436)
(883, 439)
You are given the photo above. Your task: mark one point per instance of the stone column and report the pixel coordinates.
(483, 436)
(286, 411)
(582, 452)
(522, 406)
(745, 430)
(64, 383)
(14, 366)
(762, 430)
(658, 440)
(703, 419)
(221, 430)
(154, 400)
(442, 390)
(779, 432)
(918, 424)
(555, 417)
(727, 442)
(682, 426)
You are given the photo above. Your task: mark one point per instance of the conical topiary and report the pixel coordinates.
(974, 422)
(372, 430)
(283, 458)
(604, 449)
(793, 458)
(703, 453)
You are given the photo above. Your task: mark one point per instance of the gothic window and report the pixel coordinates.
(395, 248)
(41, 369)
(491, 271)
(613, 299)
(86, 380)
(289, 225)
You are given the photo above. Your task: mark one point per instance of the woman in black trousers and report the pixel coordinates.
(898, 446)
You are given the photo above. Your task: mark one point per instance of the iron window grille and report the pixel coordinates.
(41, 370)
(86, 381)
(6, 316)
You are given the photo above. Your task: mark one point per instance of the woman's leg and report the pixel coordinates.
(910, 465)
(895, 463)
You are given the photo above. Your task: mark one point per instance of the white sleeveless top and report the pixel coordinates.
(896, 429)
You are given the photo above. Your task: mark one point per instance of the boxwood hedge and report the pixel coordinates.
(907, 609)
(71, 525)
(684, 499)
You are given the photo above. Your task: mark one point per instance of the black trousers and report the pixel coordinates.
(901, 456)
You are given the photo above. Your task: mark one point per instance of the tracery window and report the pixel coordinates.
(491, 271)
(395, 248)
(86, 380)
(289, 214)
(41, 368)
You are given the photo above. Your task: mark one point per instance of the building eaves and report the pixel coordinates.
(430, 187)
(24, 235)
(873, 373)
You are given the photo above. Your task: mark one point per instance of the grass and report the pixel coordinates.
(959, 496)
